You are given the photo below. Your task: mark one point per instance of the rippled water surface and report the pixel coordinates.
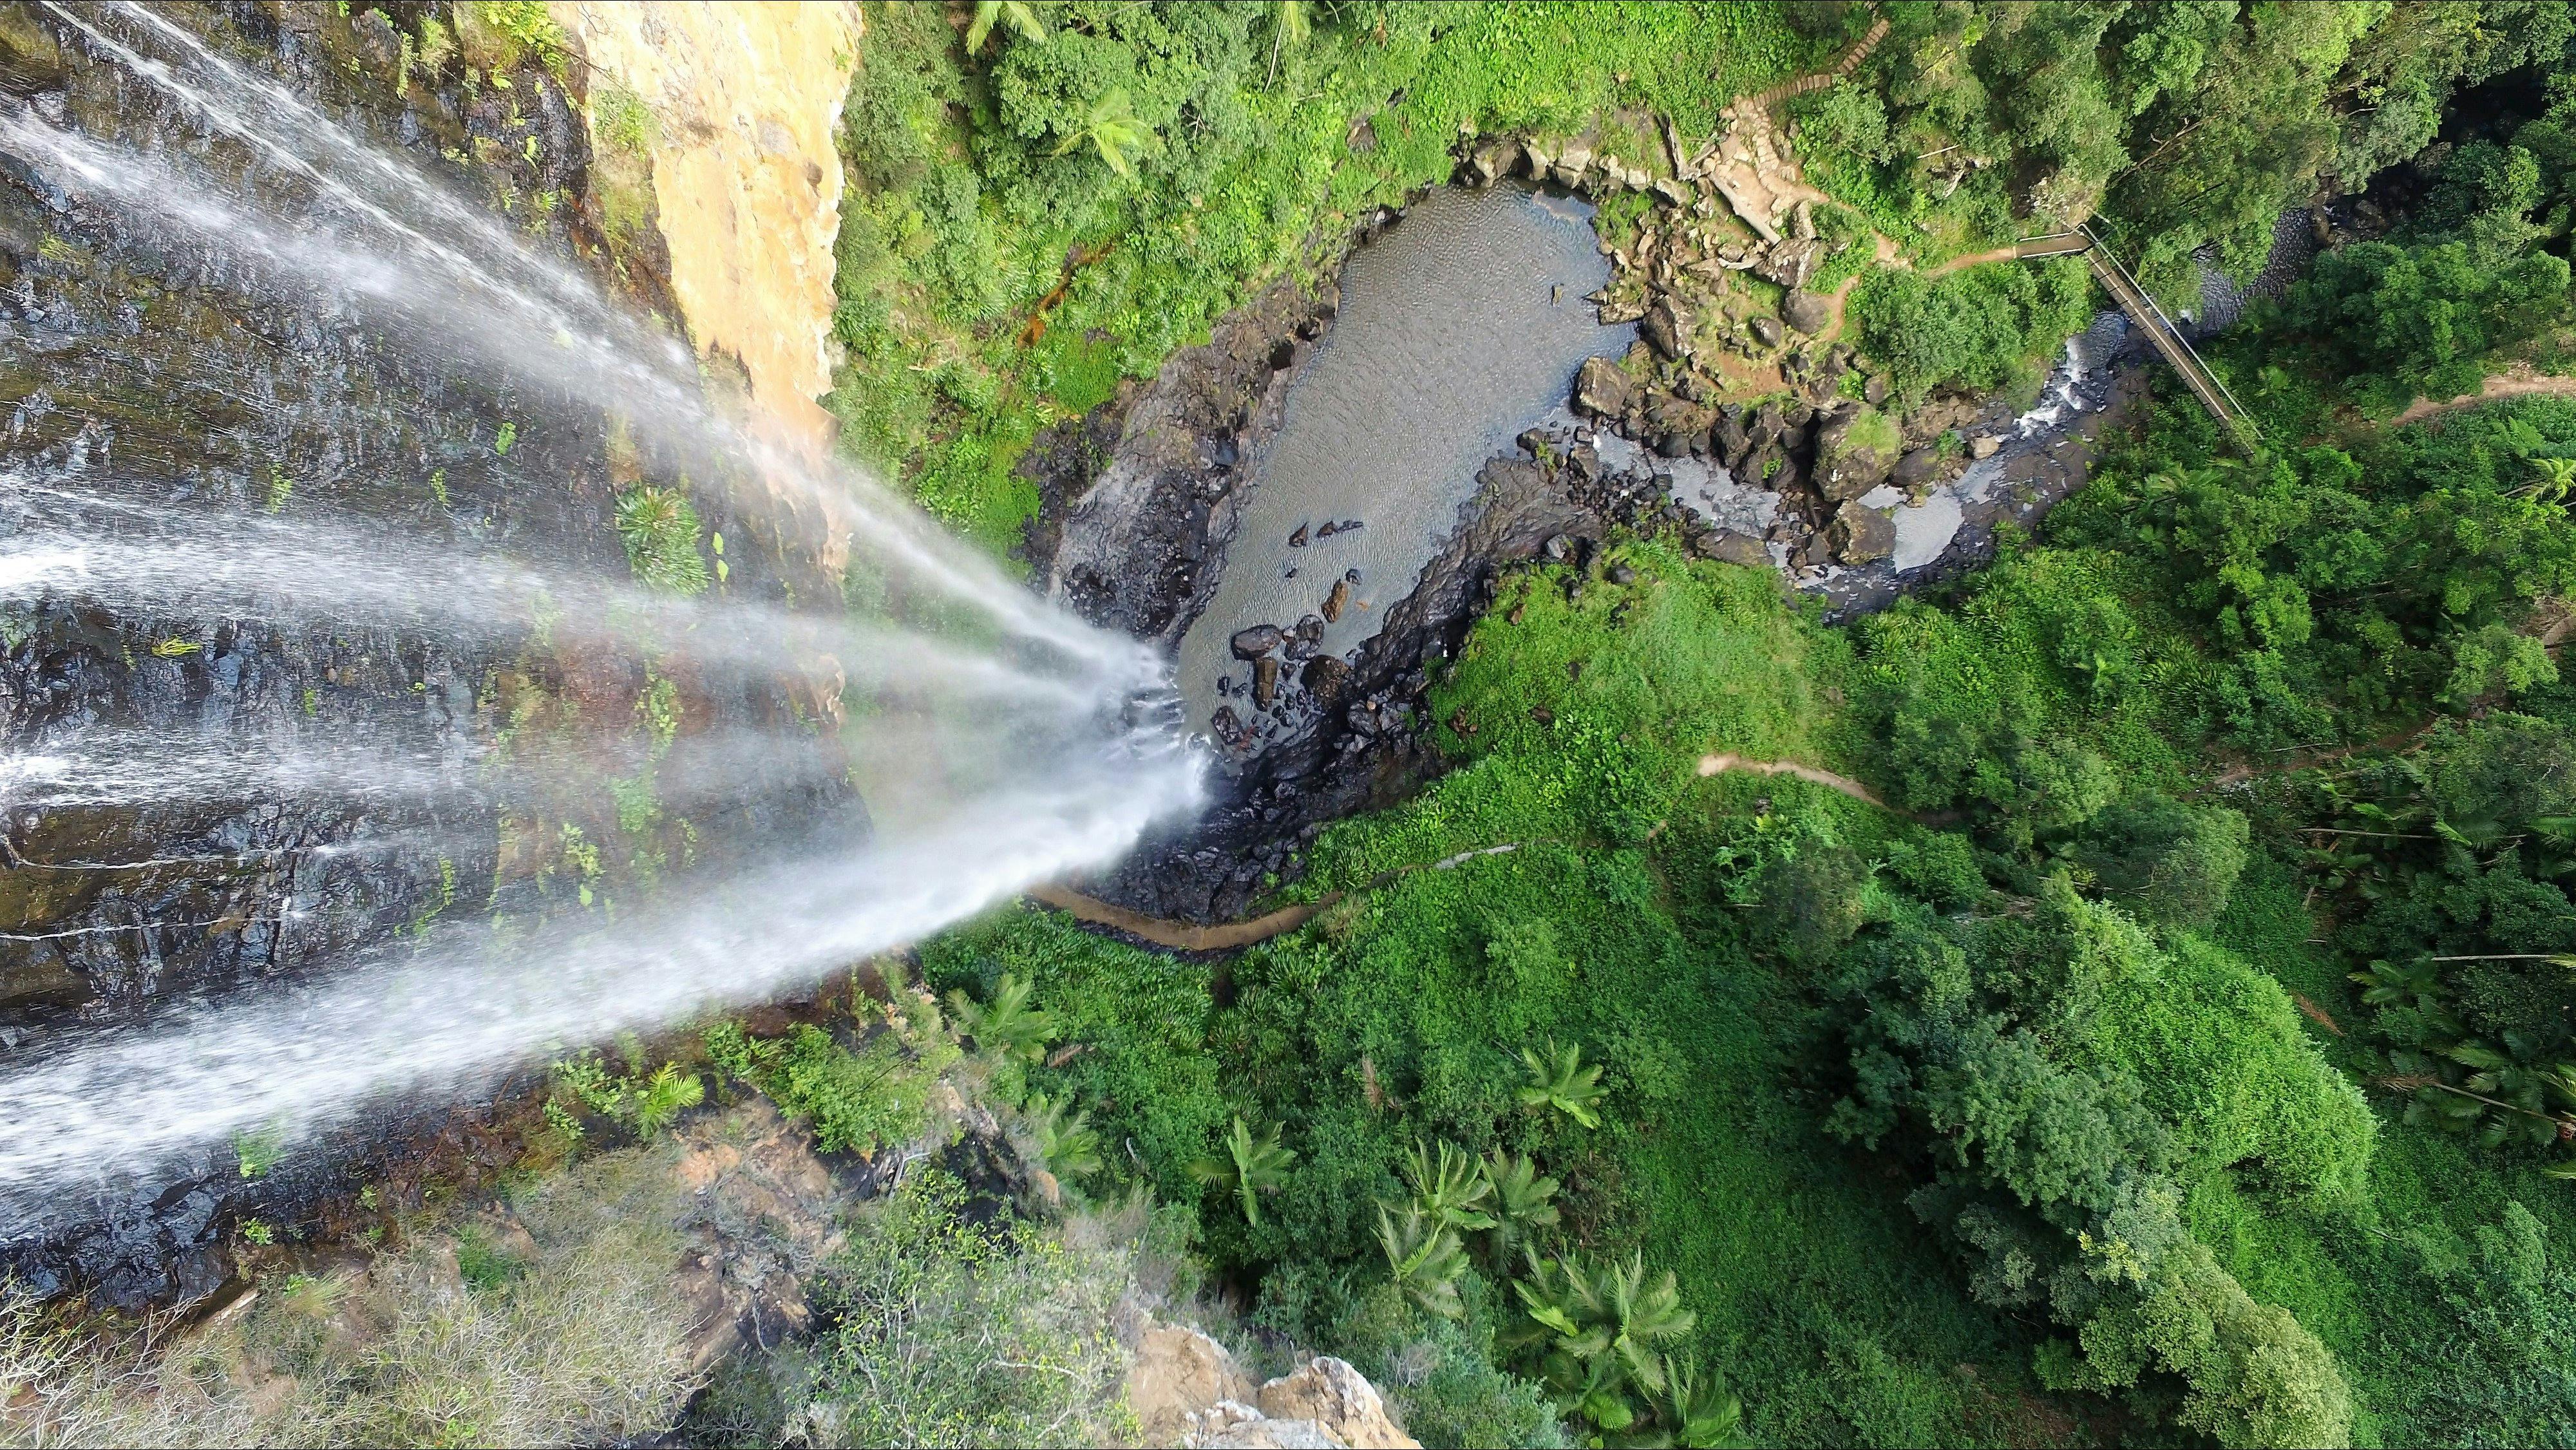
(1462, 325)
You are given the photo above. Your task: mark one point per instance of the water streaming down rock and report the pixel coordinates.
(160, 627)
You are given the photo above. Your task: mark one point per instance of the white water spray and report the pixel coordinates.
(1029, 755)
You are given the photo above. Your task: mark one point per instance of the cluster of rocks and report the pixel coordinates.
(1673, 276)
(1186, 1389)
(1294, 681)
(1821, 459)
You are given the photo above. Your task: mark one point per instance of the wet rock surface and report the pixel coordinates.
(178, 384)
(1139, 495)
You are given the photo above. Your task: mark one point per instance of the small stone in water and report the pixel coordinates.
(1297, 540)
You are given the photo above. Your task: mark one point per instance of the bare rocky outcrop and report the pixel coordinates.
(745, 101)
(1185, 1389)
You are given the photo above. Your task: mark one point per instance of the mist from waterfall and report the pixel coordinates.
(1014, 742)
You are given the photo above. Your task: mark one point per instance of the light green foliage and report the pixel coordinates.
(648, 1104)
(259, 1151)
(944, 1332)
(659, 527)
(1007, 1027)
(1018, 16)
(1559, 1079)
(1603, 1332)
(2256, 1377)
(1424, 1257)
(1063, 1137)
(2224, 1060)
(1524, 1202)
(586, 1343)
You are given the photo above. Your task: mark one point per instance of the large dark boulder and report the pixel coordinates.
(1861, 535)
(1809, 312)
(1602, 390)
(1253, 643)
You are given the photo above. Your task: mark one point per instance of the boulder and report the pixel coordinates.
(1337, 601)
(1766, 331)
(1874, 391)
(1788, 263)
(1260, 1433)
(1730, 442)
(1339, 1400)
(1733, 548)
(1855, 449)
(1177, 1376)
(1917, 470)
(1861, 535)
(1253, 643)
(1768, 424)
(1265, 682)
(1662, 329)
(1602, 390)
(1809, 312)
(1326, 677)
(1671, 191)
(1984, 446)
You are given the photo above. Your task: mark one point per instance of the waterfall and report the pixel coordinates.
(1001, 741)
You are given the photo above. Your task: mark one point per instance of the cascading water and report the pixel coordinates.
(989, 740)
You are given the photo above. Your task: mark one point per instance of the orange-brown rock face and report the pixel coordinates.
(745, 101)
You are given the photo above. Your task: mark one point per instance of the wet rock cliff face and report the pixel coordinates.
(138, 377)
(150, 389)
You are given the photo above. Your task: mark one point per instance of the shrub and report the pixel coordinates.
(950, 1333)
(587, 1343)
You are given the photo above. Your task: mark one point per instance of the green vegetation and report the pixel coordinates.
(660, 527)
(586, 1342)
(1087, 186)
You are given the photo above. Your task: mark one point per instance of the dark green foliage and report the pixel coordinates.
(2507, 1366)
(2424, 317)
(2056, 1076)
(2169, 864)
(1974, 330)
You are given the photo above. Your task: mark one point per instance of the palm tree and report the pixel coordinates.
(1424, 1255)
(1559, 1080)
(1522, 1201)
(1287, 23)
(1601, 1326)
(1252, 1166)
(1017, 16)
(1064, 1139)
(1699, 1413)
(2557, 476)
(1009, 1027)
(1451, 1188)
(1111, 126)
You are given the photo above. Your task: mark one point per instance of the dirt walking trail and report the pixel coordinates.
(2518, 381)
(1184, 936)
